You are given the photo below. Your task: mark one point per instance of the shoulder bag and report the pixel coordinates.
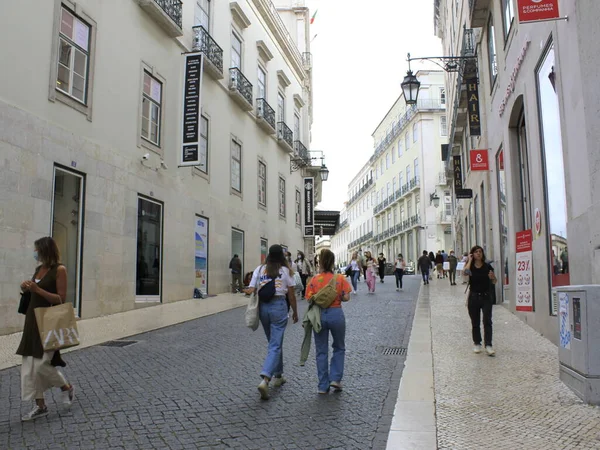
(326, 296)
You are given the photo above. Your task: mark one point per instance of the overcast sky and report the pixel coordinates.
(359, 61)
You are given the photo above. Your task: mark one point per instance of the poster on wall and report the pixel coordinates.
(201, 256)
(524, 278)
(192, 105)
(264, 250)
(309, 207)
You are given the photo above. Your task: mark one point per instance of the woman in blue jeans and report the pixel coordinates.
(332, 321)
(273, 313)
(355, 268)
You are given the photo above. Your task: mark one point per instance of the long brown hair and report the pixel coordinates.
(326, 260)
(47, 249)
(478, 247)
(275, 261)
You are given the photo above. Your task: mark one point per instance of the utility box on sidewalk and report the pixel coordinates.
(579, 340)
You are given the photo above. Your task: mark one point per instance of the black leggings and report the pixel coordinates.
(477, 303)
(399, 274)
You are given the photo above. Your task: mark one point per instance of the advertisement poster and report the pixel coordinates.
(524, 276)
(309, 207)
(264, 250)
(535, 10)
(192, 105)
(563, 320)
(201, 255)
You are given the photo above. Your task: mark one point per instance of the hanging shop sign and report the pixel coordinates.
(473, 105)
(309, 207)
(524, 271)
(513, 78)
(192, 87)
(537, 10)
(479, 159)
(457, 170)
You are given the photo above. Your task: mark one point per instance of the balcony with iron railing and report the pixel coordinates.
(301, 153)
(213, 54)
(361, 191)
(265, 116)
(285, 137)
(405, 189)
(343, 224)
(167, 13)
(240, 89)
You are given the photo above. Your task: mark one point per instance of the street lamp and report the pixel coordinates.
(410, 86)
(303, 160)
(324, 171)
(435, 199)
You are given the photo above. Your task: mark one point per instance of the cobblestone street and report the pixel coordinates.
(193, 385)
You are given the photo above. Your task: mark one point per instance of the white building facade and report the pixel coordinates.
(409, 172)
(360, 211)
(537, 85)
(341, 239)
(91, 132)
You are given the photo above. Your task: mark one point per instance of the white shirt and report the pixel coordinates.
(281, 283)
(400, 264)
(354, 265)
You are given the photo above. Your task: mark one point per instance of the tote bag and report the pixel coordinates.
(57, 326)
(251, 315)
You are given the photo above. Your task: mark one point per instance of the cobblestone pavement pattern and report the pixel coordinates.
(512, 401)
(194, 386)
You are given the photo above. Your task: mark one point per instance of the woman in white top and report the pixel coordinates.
(355, 268)
(275, 278)
(399, 272)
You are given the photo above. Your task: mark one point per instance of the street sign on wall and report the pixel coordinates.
(309, 207)
(536, 10)
(192, 88)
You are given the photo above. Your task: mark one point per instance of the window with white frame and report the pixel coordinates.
(416, 132)
(408, 208)
(508, 15)
(395, 216)
(387, 161)
(417, 204)
(443, 126)
(261, 83)
(492, 58)
(236, 51)
(416, 167)
(377, 198)
(400, 180)
(282, 196)
(407, 141)
(389, 220)
(442, 96)
(236, 166)
(381, 166)
(280, 107)
(262, 183)
(399, 148)
(73, 56)
(393, 155)
(203, 144)
(394, 184)
(408, 174)
(297, 126)
(151, 109)
(202, 14)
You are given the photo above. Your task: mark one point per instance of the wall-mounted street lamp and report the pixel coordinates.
(303, 159)
(410, 85)
(434, 199)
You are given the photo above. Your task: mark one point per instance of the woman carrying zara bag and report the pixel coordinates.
(38, 370)
(332, 320)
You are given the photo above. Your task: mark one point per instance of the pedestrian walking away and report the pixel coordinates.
(439, 264)
(355, 271)
(424, 265)
(399, 271)
(273, 281)
(381, 262)
(453, 263)
(362, 265)
(47, 287)
(235, 265)
(481, 277)
(371, 272)
(330, 374)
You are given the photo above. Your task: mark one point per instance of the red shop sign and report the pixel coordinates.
(479, 160)
(524, 241)
(535, 10)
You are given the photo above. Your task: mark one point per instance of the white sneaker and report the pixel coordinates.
(279, 381)
(354, 292)
(477, 349)
(35, 413)
(263, 388)
(68, 396)
(397, 290)
(490, 350)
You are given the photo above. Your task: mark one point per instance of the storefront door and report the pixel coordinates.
(148, 275)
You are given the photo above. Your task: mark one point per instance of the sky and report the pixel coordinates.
(359, 60)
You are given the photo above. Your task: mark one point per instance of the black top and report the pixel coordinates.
(424, 263)
(479, 279)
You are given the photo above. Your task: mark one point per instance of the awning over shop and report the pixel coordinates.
(329, 220)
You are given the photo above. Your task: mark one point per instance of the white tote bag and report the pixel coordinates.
(251, 315)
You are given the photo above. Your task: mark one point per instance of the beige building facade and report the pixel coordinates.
(536, 89)
(91, 139)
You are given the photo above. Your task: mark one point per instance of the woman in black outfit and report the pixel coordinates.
(381, 261)
(481, 277)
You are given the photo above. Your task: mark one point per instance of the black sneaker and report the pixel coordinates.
(35, 413)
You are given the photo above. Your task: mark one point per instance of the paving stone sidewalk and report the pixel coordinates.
(512, 401)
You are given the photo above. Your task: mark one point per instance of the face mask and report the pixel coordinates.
(35, 255)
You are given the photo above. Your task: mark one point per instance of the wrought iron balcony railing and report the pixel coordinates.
(361, 191)
(239, 83)
(203, 42)
(265, 112)
(301, 152)
(285, 134)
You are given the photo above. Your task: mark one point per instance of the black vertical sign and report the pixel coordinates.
(459, 190)
(473, 105)
(192, 87)
(309, 206)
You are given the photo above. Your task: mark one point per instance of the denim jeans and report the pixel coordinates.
(334, 321)
(425, 274)
(355, 274)
(399, 274)
(481, 303)
(274, 318)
